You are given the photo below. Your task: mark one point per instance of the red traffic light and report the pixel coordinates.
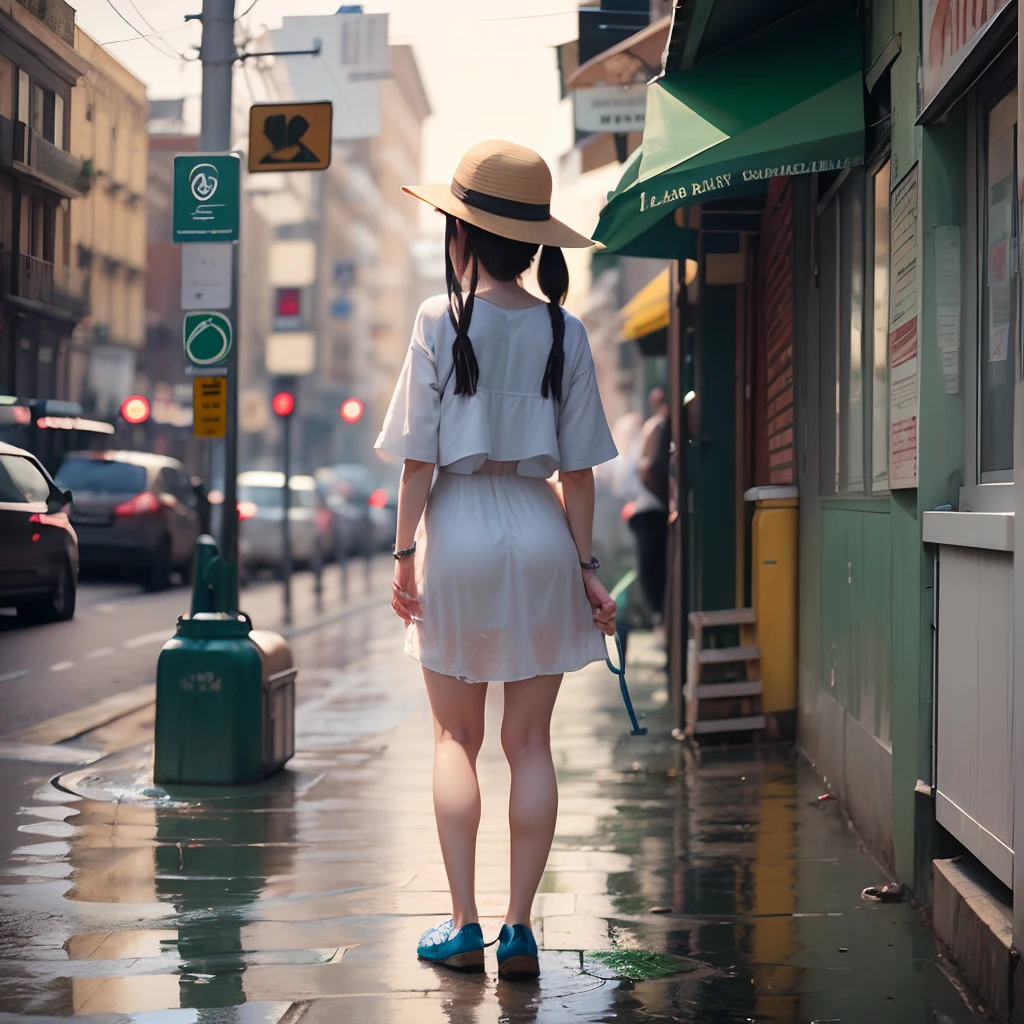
(287, 301)
(352, 410)
(283, 403)
(135, 409)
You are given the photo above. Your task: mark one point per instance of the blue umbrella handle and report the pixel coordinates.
(621, 673)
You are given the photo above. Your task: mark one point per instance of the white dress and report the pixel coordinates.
(497, 569)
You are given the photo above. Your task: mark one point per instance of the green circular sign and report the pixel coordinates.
(207, 338)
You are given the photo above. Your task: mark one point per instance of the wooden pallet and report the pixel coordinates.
(714, 706)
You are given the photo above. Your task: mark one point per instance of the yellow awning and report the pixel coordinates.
(648, 310)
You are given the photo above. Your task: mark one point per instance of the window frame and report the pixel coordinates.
(991, 494)
(872, 171)
(835, 405)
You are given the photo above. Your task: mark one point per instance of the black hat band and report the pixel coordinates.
(501, 207)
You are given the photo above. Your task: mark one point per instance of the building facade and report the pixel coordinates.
(42, 292)
(393, 160)
(108, 226)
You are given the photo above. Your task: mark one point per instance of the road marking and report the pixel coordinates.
(61, 666)
(100, 652)
(14, 675)
(75, 723)
(108, 606)
(48, 755)
(147, 638)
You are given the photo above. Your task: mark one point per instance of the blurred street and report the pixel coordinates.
(112, 643)
(301, 898)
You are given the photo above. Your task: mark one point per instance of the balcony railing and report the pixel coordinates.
(62, 288)
(30, 156)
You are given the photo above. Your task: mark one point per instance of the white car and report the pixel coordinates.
(261, 521)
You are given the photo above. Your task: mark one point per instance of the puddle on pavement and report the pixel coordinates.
(711, 892)
(635, 964)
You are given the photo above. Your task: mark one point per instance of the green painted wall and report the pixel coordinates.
(713, 583)
(856, 622)
(940, 151)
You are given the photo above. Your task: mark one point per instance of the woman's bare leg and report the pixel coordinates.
(458, 710)
(533, 801)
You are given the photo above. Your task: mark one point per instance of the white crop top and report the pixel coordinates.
(507, 420)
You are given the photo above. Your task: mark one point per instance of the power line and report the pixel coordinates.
(247, 10)
(148, 24)
(173, 54)
(143, 35)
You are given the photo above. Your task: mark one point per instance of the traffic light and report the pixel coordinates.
(135, 409)
(352, 410)
(288, 302)
(283, 404)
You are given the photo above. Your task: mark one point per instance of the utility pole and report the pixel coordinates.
(286, 539)
(218, 55)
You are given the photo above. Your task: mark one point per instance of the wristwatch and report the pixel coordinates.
(593, 565)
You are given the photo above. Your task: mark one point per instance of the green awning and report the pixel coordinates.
(787, 101)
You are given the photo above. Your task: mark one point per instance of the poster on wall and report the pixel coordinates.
(952, 29)
(903, 325)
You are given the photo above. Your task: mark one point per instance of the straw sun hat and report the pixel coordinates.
(505, 189)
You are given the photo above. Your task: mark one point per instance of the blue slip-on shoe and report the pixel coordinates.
(462, 950)
(517, 953)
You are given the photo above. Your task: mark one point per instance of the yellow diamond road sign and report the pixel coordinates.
(289, 137)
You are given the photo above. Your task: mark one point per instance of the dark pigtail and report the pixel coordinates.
(553, 278)
(467, 370)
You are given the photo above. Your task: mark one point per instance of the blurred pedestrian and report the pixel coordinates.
(649, 521)
(494, 573)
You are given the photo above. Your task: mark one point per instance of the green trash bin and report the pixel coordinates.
(225, 694)
(225, 702)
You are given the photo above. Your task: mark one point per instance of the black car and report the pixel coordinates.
(134, 511)
(38, 546)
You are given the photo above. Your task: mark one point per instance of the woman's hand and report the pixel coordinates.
(601, 601)
(404, 596)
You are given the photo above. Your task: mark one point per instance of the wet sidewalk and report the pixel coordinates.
(301, 899)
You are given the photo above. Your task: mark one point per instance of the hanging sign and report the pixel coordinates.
(209, 406)
(903, 331)
(289, 137)
(206, 275)
(207, 338)
(610, 108)
(207, 187)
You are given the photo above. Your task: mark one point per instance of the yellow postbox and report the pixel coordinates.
(775, 532)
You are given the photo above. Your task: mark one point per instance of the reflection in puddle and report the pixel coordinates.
(223, 907)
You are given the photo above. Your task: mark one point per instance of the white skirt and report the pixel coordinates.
(500, 584)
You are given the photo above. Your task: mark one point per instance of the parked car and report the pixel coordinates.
(38, 545)
(261, 515)
(134, 511)
(384, 515)
(346, 489)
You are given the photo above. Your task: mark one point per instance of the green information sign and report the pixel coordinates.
(207, 338)
(206, 197)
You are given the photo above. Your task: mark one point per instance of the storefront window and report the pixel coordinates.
(853, 283)
(851, 355)
(878, 339)
(995, 350)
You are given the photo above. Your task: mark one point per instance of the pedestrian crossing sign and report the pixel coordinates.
(289, 137)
